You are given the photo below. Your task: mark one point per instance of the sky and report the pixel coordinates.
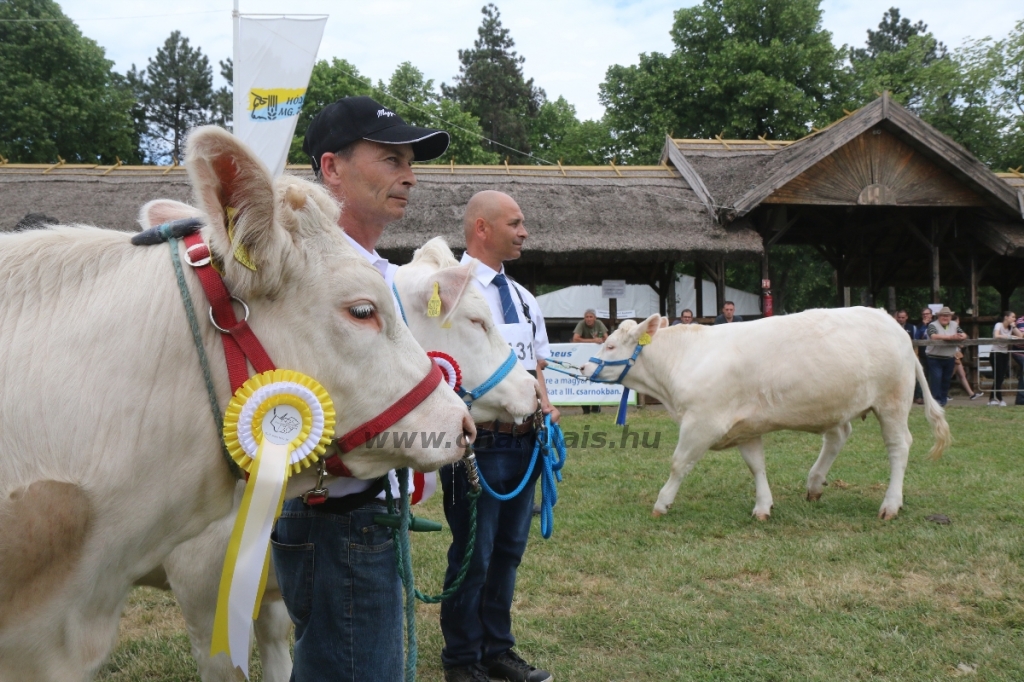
(568, 45)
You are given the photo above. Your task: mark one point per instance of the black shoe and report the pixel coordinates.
(466, 673)
(509, 666)
(536, 509)
(586, 409)
(595, 409)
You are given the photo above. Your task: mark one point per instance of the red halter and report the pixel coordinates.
(240, 343)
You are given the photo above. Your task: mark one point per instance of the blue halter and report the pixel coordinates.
(491, 381)
(601, 364)
(471, 396)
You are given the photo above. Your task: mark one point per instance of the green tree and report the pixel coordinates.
(413, 98)
(740, 68)
(223, 103)
(329, 82)
(60, 95)
(175, 91)
(491, 86)
(557, 134)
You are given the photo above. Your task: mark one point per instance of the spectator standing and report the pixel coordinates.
(728, 314)
(685, 317)
(1000, 354)
(941, 359)
(590, 330)
(1017, 354)
(921, 334)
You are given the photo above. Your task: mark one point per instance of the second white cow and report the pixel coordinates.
(815, 371)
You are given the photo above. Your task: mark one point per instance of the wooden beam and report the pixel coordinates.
(698, 288)
(691, 176)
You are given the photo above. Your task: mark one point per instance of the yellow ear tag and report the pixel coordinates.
(434, 304)
(241, 253)
(644, 339)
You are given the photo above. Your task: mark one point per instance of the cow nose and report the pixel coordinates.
(468, 428)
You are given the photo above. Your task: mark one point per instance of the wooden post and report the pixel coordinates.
(892, 300)
(971, 353)
(719, 285)
(698, 289)
(613, 313)
(935, 260)
(672, 312)
(765, 277)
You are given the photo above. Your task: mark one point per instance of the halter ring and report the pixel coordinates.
(245, 318)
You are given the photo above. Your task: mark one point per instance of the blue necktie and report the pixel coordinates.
(508, 308)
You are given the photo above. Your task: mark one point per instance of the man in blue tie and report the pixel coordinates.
(477, 621)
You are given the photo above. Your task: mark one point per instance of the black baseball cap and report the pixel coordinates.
(361, 118)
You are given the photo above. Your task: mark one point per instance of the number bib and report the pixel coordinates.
(520, 337)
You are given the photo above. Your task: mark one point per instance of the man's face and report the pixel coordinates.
(944, 319)
(901, 317)
(589, 319)
(373, 182)
(926, 315)
(686, 317)
(728, 310)
(507, 230)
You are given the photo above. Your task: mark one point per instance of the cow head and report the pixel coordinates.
(317, 306)
(620, 346)
(464, 329)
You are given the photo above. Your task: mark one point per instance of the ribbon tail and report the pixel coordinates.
(620, 418)
(244, 575)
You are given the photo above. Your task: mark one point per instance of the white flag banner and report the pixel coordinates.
(274, 58)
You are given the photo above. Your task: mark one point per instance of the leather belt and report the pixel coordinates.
(349, 503)
(496, 426)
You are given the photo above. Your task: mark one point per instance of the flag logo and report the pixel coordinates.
(274, 104)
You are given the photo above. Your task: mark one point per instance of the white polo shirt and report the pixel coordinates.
(484, 276)
(351, 486)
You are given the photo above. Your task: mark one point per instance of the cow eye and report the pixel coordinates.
(362, 312)
(479, 323)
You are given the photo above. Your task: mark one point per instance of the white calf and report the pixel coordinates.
(814, 371)
(108, 453)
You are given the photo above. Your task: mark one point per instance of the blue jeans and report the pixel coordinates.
(339, 580)
(940, 372)
(477, 620)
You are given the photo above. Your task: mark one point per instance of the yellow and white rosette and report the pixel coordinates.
(276, 424)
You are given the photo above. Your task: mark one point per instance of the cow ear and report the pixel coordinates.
(453, 283)
(664, 322)
(160, 211)
(236, 192)
(648, 328)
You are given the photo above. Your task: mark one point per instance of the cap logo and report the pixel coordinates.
(384, 112)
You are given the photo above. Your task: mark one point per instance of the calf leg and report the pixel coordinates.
(272, 629)
(694, 441)
(832, 442)
(898, 440)
(753, 455)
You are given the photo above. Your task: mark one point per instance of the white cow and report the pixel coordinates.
(109, 457)
(815, 371)
(463, 330)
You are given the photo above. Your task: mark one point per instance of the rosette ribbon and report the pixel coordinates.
(277, 423)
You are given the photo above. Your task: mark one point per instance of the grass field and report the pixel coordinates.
(822, 591)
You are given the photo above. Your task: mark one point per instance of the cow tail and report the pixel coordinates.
(934, 413)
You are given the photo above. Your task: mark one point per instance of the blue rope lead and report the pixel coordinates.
(550, 445)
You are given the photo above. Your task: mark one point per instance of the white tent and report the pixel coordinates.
(642, 300)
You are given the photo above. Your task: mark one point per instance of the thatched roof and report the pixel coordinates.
(604, 214)
(740, 175)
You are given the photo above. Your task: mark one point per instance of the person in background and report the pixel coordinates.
(1000, 354)
(590, 330)
(1017, 353)
(685, 317)
(728, 314)
(941, 359)
(960, 373)
(921, 334)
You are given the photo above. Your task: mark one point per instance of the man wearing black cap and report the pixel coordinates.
(335, 566)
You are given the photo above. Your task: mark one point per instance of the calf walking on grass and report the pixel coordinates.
(815, 371)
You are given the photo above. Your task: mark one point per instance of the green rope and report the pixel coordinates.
(204, 361)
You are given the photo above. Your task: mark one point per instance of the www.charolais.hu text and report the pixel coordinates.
(585, 439)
